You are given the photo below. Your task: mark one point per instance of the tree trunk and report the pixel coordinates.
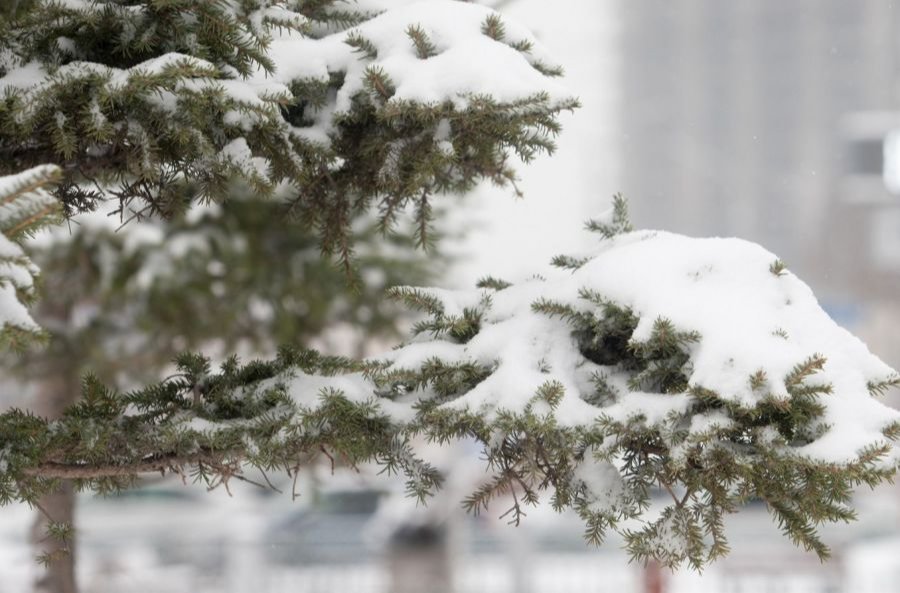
(421, 561)
(58, 576)
(55, 394)
(654, 579)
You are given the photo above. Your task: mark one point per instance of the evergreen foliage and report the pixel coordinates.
(25, 206)
(596, 386)
(573, 397)
(121, 299)
(161, 104)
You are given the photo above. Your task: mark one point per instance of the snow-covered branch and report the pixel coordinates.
(333, 106)
(24, 206)
(698, 368)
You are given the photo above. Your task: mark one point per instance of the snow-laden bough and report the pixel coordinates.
(332, 106)
(24, 206)
(700, 369)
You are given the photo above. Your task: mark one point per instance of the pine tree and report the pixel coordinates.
(700, 368)
(159, 106)
(120, 302)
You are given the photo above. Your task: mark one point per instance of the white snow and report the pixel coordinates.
(238, 153)
(721, 288)
(603, 484)
(21, 201)
(749, 319)
(468, 63)
(25, 76)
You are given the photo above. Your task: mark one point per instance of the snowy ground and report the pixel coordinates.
(194, 542)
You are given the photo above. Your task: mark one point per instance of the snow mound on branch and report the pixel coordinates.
(16, 276)
(467, 62)
(23, 206)
(750, 315)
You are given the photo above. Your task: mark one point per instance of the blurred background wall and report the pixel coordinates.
(765, 119)
(731, 110)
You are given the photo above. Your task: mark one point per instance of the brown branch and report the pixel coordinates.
(27, 188)
(294, 494)
(649, 449)
(156, 463)
(516, 509)
(329, 456)
(268, 481)
(669, 490)
(112, 158)
(43, 213)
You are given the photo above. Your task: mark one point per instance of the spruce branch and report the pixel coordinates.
(493, 27)
(882, 386)
(424, 47)
(362, 45)
(196, 107)
(492, 283)
(778, 268)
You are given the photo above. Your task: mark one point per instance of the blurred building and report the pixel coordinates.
(743, 118)
(730, 113)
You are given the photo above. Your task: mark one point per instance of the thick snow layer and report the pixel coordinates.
(603, 483)
(748, 317)
(12, 312)
(467, 62)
